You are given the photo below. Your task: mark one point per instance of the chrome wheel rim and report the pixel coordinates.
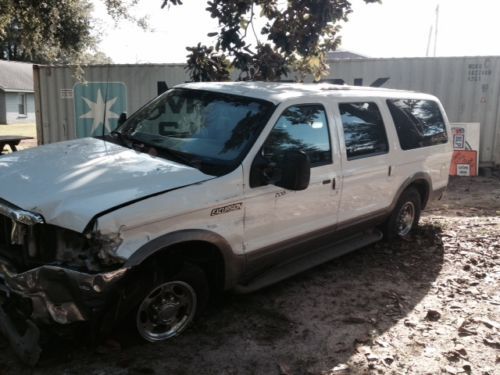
(166, 311)
(406, 217)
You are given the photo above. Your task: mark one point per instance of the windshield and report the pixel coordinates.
(208, 130)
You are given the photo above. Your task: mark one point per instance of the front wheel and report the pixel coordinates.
(404, 218)
(170, 306)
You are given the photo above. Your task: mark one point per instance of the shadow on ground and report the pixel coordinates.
(307, 324)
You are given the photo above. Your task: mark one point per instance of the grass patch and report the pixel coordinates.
(25, 130)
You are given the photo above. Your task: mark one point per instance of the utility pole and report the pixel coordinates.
(429, 40)
(436, 30)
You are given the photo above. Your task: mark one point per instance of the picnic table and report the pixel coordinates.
(11, 140)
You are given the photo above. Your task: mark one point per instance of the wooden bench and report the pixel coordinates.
(12, 141)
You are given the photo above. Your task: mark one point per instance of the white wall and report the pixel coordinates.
(2, 108)
(12, 111)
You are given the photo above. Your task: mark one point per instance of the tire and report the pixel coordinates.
(405, 216)
(171, 303)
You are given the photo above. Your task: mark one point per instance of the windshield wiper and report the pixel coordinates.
(181, 157)
(117, 133)
(128, 141)
(141, 146)
(119, 136)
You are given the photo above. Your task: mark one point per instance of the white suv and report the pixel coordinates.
(209, 187)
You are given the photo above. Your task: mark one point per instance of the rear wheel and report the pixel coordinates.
(171, 304)
(404, 218)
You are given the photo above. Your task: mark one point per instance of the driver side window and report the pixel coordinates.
(300, 128)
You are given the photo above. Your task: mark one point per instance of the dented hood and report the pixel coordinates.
(69, 183)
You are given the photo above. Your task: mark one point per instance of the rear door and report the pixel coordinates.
(367, 187)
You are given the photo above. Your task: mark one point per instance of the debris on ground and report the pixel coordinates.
(429, 305)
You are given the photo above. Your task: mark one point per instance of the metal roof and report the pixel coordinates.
(16, 76)
(344, 55)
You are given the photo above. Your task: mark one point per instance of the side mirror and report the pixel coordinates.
(122, 118)
(295, 171)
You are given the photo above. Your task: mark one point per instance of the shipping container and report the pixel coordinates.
(71, 105)
(469, 88)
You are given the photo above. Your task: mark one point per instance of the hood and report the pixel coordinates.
(69, 183)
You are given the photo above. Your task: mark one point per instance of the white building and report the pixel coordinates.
(17, 99)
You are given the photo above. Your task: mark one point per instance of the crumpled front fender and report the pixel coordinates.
(56, 295)
(59, 294)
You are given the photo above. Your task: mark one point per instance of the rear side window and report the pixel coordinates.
(364, 131)
(419, 123)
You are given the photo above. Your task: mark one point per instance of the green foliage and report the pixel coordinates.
(204, 64)
(265, 65)
(297, 35)
(120, 10)
(94, 58)
(44, 31)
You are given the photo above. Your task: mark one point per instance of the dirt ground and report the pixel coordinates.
(430, 305)
(25, 130)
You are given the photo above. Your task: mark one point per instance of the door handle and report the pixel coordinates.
(331, 180)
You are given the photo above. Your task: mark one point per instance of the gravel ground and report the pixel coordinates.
(429, 305)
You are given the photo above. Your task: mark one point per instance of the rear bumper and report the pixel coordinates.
(49, 295)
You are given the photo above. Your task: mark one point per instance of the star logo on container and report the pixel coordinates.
(98, 106)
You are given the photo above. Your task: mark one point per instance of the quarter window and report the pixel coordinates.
(364, 131)
(301, 128)
(419, 123)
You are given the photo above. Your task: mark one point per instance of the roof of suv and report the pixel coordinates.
(277, 92)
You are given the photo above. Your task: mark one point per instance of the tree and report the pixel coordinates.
(44, 31)
(206, 65)
(297, 35)
(94, 58)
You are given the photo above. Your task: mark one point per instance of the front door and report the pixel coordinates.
(274, 215)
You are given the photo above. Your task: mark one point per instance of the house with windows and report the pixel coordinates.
(17, 98)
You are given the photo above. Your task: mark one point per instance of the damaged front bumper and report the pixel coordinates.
(48, 295)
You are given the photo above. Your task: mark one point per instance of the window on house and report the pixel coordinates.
(22, 104)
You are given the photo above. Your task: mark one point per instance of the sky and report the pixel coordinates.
(394, 28)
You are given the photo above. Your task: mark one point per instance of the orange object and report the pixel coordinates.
(464, 163)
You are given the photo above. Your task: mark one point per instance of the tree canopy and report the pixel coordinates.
(44, 31)
(296, 35)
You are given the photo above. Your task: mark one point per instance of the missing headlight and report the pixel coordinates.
(28, 247)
